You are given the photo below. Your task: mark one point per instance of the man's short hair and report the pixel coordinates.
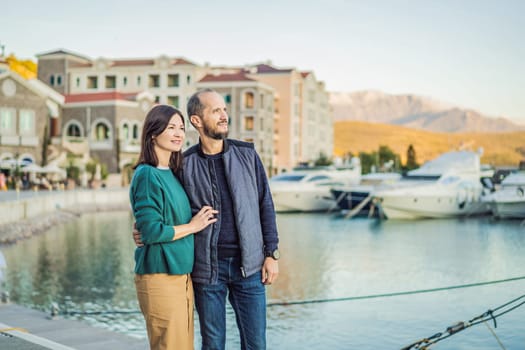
(195, 106)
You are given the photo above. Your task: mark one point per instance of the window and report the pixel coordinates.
(188, 79)
(157, 99)
(124, 134)
(111, 82)
(228, 98)
(248, 123)
(174, 101)
(73, 130)
(78, 82)
(154, 80)
(173, 80)
(125, 81)
(59, 80)
(136, 131)
(27, 122)
(248, 100)
(92, 82)
(138, 81)
(52, 80)
(7, 121)
(101, 132)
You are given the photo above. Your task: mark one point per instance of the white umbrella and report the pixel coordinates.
(11, 163)
(32, 168)
(54, 169)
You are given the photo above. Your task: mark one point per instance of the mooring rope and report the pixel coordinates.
(489, 315)
(394, 294)
(327, 300)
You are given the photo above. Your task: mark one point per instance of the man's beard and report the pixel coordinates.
(214, 134)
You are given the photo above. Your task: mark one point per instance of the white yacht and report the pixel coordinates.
(309, 189)
(457, 192)
(509, 200)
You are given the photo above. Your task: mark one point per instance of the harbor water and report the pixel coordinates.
(340, 286)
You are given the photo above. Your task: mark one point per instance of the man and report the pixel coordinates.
(237, 255)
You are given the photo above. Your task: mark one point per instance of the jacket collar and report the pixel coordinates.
(225, 148)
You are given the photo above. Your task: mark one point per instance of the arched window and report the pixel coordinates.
(124, 135)
(101, 132)
(73, 130)
(52, 80)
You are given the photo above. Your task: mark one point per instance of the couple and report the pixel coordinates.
(230, 243)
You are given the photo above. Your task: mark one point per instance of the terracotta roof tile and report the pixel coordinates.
(182, 61)
(265, 68)
(240, 76)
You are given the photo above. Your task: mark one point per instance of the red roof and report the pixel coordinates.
(182, 61)
(240, 76)
(100, 96)
(305, 74)
(266, 68)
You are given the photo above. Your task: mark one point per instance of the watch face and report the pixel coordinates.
(276, 255)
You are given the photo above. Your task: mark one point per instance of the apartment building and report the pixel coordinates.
(106, 100)
(285, 112)
(304, 125)
(250, 105)
(105, 126)
(30, 115)
(316, 126)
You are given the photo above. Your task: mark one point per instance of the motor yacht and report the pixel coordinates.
(308, 190)
(509, 200)
(457, 192)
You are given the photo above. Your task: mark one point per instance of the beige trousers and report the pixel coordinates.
(166, 301)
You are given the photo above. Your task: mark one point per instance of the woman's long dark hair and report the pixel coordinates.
(156, 122)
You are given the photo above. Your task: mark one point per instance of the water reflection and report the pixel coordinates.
(87, 266)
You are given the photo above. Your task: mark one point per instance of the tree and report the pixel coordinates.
(384, 159)
(367, 161)
(322, 160)
(411, 158)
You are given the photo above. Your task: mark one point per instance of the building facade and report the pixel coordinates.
(30, 115)
(250, 105)
(304, 124)
(284, 112)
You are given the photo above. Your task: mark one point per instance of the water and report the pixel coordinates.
(87, 266)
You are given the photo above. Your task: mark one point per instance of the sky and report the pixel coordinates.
(468, 53)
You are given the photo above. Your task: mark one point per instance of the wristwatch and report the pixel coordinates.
(275, 255)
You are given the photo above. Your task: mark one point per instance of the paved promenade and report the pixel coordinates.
(26, 329)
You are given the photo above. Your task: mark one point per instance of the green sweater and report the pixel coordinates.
(159, 203)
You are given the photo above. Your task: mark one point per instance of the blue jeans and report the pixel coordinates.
(247, 297)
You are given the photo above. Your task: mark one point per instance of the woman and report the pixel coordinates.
(163, 216)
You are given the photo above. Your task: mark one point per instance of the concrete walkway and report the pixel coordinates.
(22, 328)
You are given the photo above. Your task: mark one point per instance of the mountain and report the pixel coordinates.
(414, 111)
(501, 149)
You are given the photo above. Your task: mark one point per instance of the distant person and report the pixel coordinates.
(3, 182)
(163, 216)
(236, 257)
